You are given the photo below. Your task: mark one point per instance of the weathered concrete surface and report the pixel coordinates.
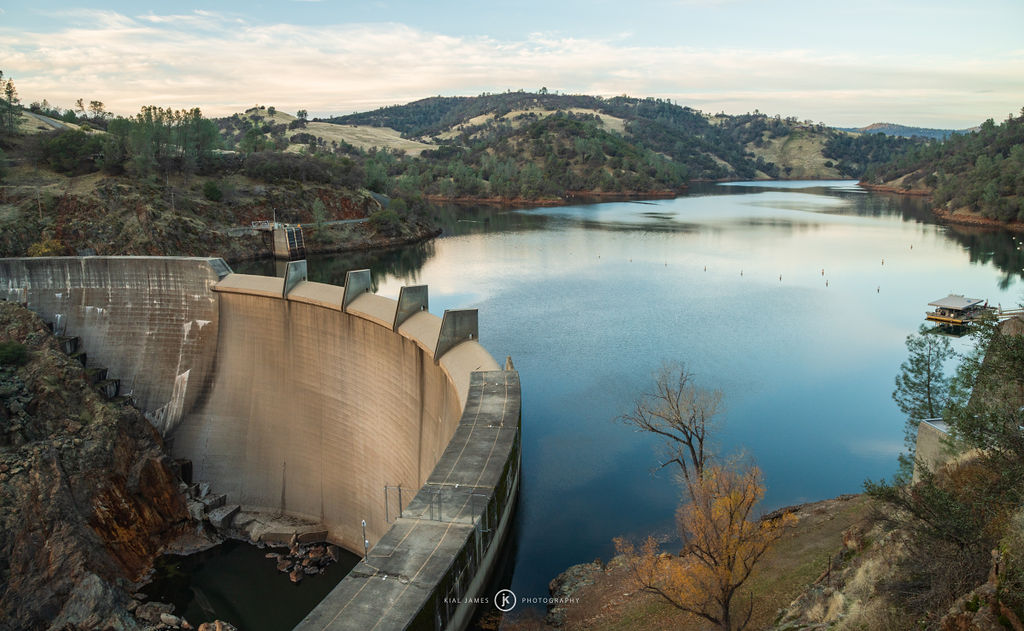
(438, 554)
(931, 450)
(312, 411)
(150, 321)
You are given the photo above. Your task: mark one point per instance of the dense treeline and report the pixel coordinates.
(861, 155)
(155, 141)
(905, 131)
(159, 142)
(981, 171)
(530, 157)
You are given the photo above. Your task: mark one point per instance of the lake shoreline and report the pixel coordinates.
(604, 593)
(961, 216)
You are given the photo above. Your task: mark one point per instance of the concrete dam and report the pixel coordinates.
(360, 414)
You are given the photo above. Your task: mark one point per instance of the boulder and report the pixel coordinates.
(150, 612)
(196, 510)
(212, 501)
(223, 516)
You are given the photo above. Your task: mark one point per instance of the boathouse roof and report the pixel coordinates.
(956, 301)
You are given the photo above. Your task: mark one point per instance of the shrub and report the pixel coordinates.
(47, 247)
(212, 192)
(274, 167)
(386, 222)
(13, 354)
(72, 151)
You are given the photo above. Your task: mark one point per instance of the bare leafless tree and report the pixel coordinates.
(680, 412)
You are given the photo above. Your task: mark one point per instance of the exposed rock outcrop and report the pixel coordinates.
(88, 496)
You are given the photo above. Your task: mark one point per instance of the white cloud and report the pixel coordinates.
(224, 63)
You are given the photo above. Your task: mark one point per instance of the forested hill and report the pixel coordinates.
(981, 172)
(544, 145)
(698, 147)
(905, 131)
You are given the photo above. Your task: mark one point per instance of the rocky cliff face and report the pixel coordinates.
(87, 493)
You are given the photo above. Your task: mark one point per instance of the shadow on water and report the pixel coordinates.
(487, 616)
(236, 583)
(403, 262)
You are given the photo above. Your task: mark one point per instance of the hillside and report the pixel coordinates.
(679, 134)
(978, 176)
(291, 133)
(601, 146)
(515, 147)
(114, 192)
(906, 131)
(525, 147)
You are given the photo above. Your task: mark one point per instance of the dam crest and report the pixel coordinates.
(326, 403)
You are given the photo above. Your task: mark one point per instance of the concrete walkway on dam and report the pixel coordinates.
(315, 402)
(430, 559)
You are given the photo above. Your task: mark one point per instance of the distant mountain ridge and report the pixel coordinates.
(609, 144)
(906, 131)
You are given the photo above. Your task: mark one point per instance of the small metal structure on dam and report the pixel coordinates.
(315, 401)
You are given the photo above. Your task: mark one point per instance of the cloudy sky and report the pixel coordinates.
(933, 63)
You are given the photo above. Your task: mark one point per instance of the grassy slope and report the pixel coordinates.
(613, 603)
(801, 152)
(608, 122)
(362, 136)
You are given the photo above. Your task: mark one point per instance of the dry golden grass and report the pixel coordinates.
(800, 151)
(362, 136)
(278, 117)
(800, 557)
(610, 123)
(28, 124)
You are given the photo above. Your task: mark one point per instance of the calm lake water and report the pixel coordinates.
(590, 300)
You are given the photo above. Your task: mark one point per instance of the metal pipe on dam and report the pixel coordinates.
(309, 400)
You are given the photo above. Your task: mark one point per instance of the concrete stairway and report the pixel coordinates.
(96, 375)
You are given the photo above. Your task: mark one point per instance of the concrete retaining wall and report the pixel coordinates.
(313, 411)
(151, 321)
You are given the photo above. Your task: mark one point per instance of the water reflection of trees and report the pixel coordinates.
(1000, 248)
(458, 220)
(984, 246)
(403, 262)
